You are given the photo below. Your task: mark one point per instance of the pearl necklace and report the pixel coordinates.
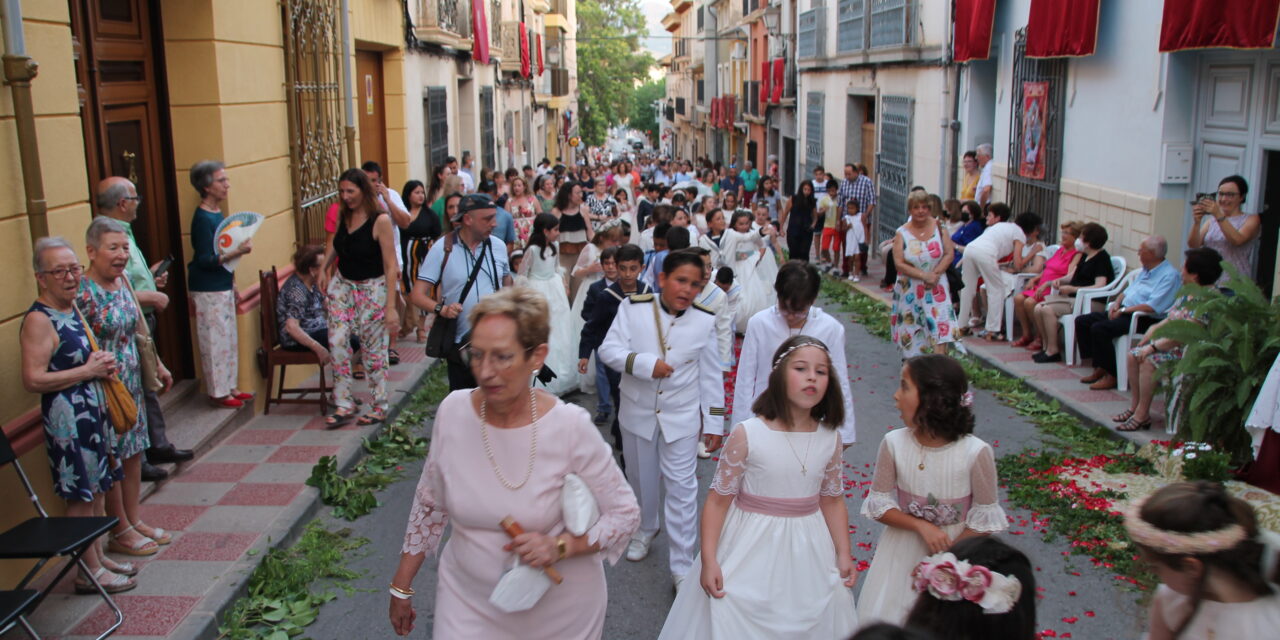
(533, 444)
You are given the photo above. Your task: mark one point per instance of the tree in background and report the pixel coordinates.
(642, 116)
(610, 63)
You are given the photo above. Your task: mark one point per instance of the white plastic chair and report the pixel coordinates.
(1020, 281)
(1122, 346)
(1084, 304)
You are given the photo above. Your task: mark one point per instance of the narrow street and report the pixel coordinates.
(1076, 598)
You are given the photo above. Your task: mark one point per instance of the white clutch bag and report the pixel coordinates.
(519, 589)
(579, 505)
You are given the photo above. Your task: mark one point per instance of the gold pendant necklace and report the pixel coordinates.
(804, 464)
(533, 444)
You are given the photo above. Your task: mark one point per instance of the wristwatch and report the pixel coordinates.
(439, 306)
(562, 548)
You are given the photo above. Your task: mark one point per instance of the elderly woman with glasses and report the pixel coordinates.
(503, 450)
(58, 364)
(106, 303)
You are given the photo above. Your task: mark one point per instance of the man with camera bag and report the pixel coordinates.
(450, 285)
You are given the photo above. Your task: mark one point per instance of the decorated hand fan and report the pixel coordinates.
(232, 233)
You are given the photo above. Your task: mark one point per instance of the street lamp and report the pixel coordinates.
(772, 16)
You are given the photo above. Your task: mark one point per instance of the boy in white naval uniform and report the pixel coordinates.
(672, 393)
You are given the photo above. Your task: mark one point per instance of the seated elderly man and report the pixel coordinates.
(1151, 292)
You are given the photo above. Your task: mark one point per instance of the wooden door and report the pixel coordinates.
(122, 109)
(373, 113)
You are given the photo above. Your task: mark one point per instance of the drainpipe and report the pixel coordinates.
(947, 104)
(19, 69)
(348, 106)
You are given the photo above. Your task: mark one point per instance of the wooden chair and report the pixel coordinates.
(272, 355)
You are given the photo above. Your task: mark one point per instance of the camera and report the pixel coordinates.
(1202, 196)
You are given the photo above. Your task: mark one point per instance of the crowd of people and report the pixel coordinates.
(637, 281)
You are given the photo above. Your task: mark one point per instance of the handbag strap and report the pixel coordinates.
(448, 241)
(88, 331)
(143, 328)
(475, 271)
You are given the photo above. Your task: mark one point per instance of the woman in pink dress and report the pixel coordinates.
(1061, 263)
(523, 207)
(503, 450)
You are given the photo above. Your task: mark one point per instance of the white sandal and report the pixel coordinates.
(143, 547)
(111, 582)
(123, 568)
(161, 536)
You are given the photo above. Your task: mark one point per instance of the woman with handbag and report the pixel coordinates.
(107, 305)
(59, 364)
(510, 451)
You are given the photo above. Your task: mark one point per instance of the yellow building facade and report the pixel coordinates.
(145, 90)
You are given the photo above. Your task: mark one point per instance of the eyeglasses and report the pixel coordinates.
(62, 272)
(1228, 194)
(499, 361)
(134, 198)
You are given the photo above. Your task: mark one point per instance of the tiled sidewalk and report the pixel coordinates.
(245, 495)
(1054, 379)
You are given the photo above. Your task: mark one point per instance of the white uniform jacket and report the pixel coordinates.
(715, 299)
(688, 402)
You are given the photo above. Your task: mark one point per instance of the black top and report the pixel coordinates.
(1087, 271)
(359, 256)
(800, 219)
(426, 225)
(572, 222)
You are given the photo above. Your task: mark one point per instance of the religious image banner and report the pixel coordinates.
(1035, 103)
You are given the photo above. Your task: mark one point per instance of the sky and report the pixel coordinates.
(658, 40)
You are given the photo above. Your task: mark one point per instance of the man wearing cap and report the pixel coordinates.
(470, 247)
(506, 229)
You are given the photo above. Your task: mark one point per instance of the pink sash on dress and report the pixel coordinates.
(781, 507)
(939, 511)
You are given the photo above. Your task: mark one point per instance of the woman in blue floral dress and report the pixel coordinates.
(922, 318)
(108, 306)
(58, 364)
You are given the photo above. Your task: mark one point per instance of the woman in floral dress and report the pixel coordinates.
(523, 207)
(58, 364)
(922, 319)
(107, 305)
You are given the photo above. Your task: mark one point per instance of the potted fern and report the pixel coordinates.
(1224, 361)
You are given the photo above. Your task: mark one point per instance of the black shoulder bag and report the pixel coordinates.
(440, 340)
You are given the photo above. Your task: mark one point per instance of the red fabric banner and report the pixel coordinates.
(480, 46)
(524, 51)
(974, 20)
(764, 82)
(1059, 28)
(1201, 24)
(541, 68)
(779, 73)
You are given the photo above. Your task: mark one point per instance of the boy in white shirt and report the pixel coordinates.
(854, 238)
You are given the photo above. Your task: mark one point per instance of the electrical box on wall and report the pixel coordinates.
(1175, 163)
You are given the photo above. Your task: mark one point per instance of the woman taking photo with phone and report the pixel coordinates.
(1229, 231)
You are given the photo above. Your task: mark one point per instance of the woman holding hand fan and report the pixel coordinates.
(211, 284)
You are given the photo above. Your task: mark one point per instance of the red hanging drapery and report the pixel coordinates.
(974, 20)
(1057, 28)
(541, 69)
(779, 71)
(524, 51)
(480, 48)
(1235, 24)
(764, 82)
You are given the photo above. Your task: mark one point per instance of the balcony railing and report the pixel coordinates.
(444, 22)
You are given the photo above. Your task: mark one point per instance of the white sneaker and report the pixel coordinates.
(855, 278)
(638, 548)
(702, 450)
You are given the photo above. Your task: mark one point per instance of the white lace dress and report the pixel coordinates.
(546, 277)
(956, 488)
(753, 270)
(458, 487)
(780, 575)
(590, 255)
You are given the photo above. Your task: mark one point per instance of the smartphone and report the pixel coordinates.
(164, 267)
(1202, 196)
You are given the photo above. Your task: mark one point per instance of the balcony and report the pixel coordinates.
(681, 5)
(558, 18)
(444, 22)
(540, 6)
(671, 22)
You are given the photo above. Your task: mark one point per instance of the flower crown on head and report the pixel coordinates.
(946, 577)
(806, 343)
(1175, 542)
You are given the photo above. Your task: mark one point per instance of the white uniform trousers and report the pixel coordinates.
(979, 264)
(675, 464)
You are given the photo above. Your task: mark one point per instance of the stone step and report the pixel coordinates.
(192, 423)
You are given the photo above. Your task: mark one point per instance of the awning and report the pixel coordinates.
(1202, 24)
(1057, 28)
(974, 19)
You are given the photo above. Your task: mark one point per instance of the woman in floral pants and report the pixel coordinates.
(358, 260)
